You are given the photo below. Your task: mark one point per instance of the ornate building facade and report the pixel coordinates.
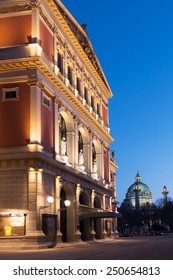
(54, 129)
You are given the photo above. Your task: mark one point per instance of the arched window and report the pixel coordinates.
(80, 142)
(93, 152)
(86, 94)
(78, 85)
(92, 102)
(62, 128)
(70, 74)
(98, 109)
(60, 62)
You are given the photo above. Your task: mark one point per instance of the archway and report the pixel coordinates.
(66, 137)
(67, 215)
(83, 146)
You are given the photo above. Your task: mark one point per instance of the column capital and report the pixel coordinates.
(59, 181)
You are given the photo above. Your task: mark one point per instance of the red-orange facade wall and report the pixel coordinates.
(15, 30)
(47, 128)
(105, 114)
(46, 41)
(15, 118)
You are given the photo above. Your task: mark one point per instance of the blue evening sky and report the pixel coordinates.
(133, 40)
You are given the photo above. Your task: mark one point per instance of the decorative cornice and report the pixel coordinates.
(24, 160)
(83, 51)
(19, 7)
(83, 41)
(38, 63)
(27, 7)
(80, 42)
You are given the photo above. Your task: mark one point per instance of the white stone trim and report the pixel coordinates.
(46, 101)
(5, 92)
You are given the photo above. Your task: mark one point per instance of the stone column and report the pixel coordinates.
(35, 118)
(70, 147)
(93, 233)
(109, 164)
(35, 202)
(90, 160)
(58, 185)
(35, 49)
(111, 220)
(82, 83)
(104, 232)
(77, 223)
(102, 166)
(76, 152)
(99, 161)
(56, 129)
(86, 152)
(66, 64)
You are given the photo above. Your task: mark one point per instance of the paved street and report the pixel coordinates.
(134, 248)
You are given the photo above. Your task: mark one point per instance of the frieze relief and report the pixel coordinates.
(19, 7)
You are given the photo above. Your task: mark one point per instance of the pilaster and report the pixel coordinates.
(70, 146)
(77, 227)
(76, 152)
(35, 118)
(58, 185)
(56, 133)
(34, 201)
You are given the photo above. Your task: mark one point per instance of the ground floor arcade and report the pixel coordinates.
(33, 206)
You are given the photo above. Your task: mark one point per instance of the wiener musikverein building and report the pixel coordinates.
(57, 176)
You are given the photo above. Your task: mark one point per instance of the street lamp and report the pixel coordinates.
(50, 200)
(67, 202)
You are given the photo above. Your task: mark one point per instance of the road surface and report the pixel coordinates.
(132, 248)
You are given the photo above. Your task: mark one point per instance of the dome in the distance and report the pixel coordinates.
(145, 196)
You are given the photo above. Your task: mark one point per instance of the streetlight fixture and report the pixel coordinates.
(50, 200)
(67, 202)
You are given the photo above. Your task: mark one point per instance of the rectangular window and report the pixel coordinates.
(10, 94)
(46, 101)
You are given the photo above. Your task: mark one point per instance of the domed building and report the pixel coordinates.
(138, 194)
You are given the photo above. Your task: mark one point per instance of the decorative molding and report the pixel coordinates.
(19, 7)
(52, 28)
(83, 41)
(78, 47)
(37, 63)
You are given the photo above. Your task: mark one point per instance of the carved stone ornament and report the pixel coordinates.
(83, 41)
(19, 7)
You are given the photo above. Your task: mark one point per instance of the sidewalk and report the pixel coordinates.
(83, 243)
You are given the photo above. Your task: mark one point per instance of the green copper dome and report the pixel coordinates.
(143, 189)
(144, 192)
